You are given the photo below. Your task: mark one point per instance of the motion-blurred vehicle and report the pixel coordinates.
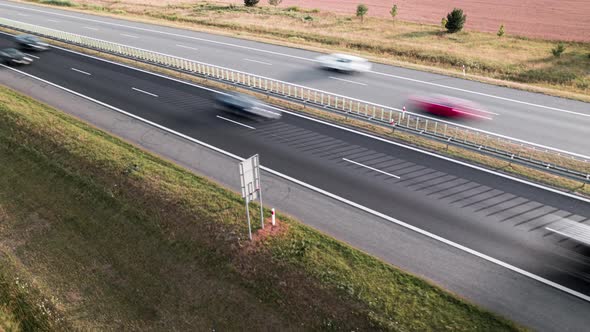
(449, 107)
(344, 63)
(245, 105)
(31, 42)
(12, 56)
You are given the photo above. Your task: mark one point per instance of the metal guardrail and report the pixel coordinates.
(565, 163)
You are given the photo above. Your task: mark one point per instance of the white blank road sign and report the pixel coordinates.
(250, 177)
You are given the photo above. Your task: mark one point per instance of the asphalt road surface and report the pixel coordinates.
(496, 216)
(550, 121)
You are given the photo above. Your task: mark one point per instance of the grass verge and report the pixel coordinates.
(512, 61)
(116, 238)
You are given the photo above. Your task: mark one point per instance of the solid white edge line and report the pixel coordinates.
(81, 71)
(347, 81)
(256, 61)
(506, 176)
(298, 57)
(328, 194)
(142, 91)
(371, 168)
(235, 122)
(32, 56)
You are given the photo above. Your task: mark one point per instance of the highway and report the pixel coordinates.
(493, 215)
(537, 118)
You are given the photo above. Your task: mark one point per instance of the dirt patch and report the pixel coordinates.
(564, 20)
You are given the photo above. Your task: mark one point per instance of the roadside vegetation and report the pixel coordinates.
(496, 58)
(99, 235)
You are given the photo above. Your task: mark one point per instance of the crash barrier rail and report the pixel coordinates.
(573, 165)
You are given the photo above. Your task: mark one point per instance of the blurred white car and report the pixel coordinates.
(344, 62)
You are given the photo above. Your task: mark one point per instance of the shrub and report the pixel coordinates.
(275, 2)
(455, 20)
(393, 12)
(63, 3)
(501, 31)
(250, 3)
(308, 18)
(558, 50)
(361, 11)
(293, 9)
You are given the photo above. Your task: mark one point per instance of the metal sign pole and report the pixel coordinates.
(248, 215)
(259, 184)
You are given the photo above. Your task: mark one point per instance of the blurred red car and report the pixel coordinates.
(449, 107)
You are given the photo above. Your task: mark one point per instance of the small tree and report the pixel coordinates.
(501, 31)
(275, 2)
(455, 20)
(443, 22)
(250, 3)
(361, 11)
(558, 50)
(393, 12)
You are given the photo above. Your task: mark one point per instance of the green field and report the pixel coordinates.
(98, 235)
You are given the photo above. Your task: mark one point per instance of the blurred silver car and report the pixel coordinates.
(344, 63)
(245, 105)
(12, 56)
(31, 42)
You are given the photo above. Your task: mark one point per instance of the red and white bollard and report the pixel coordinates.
(403, 112)
(463, 70)
(273, 216)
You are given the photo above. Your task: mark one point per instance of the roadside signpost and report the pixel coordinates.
(251, 187)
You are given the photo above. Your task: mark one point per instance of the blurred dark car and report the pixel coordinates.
(245, 105)
(30, 42)
(449, 107)
(12, 56)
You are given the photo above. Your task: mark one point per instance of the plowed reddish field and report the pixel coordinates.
(549, 19)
